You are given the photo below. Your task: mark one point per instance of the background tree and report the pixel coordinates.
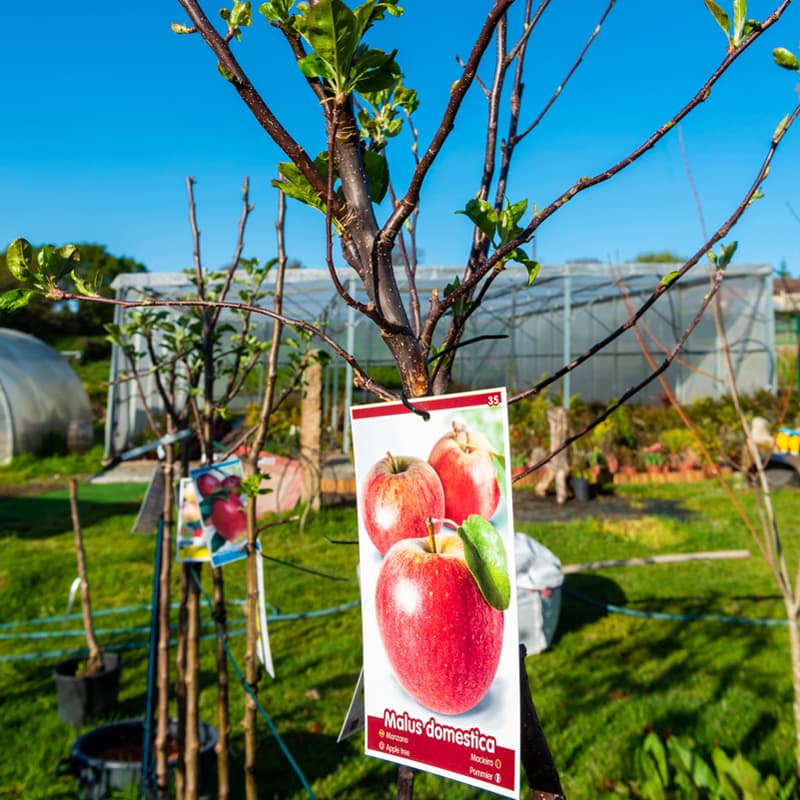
(658, 257)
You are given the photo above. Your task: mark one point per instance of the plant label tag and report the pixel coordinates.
(190, 543)
(438, 587)
(152, 505)
(222, 510)
(354, 720)
(264, 651)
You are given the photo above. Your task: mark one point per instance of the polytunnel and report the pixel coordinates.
(569, 308)
(40, 395)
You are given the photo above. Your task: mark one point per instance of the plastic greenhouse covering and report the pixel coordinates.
(567, 310)
(40, 395)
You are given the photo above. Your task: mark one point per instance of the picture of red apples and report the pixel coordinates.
(464, 462)
(399, 494)
(228, 516)
(231, 482)
(207, 483)
(441, 620)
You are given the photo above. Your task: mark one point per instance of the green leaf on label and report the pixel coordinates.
(499, 463)
(486, 559)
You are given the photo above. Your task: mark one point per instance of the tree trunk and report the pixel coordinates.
(251, 658)
(558, 466)
(311, 435)
(180, 684)
(162, 730)
(94, 662)
(192, 743)
(794, 650)
(223, 713)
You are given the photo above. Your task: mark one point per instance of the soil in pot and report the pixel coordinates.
(84, 697)
(109, 758)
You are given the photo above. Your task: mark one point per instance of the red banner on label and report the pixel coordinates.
(469, 753)
(430, 404)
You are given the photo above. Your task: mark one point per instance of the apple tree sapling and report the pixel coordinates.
(439, 601)
(400, 493)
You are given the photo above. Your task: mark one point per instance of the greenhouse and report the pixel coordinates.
(568, 309)
(41, 396)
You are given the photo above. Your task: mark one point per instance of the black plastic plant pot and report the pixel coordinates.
(582, 489)
(108, 758)
(85, 697)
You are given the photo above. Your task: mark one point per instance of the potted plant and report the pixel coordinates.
(653, 459)
(579, 475)
(87, 686)
(678, 444)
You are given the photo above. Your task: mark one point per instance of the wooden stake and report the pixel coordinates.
(94, 663)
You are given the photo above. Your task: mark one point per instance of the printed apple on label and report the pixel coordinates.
(400, 493)
(465, 463)
(228, 516)
(207, 484)
(439, 603)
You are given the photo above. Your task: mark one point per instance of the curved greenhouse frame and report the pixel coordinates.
(40, 395)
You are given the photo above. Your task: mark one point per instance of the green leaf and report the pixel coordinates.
(508, 218)
(720, 16)
(241, 14)
(374, 71)
(486, 559)
(726, 254)
(684, 758)
(295, 184)
(332, 33)
(483, 215)
(785, 58)
(377, 168)
(14, 299)
(739, 18)
(651, 760)
(224, 71)
(752, 26)
(312, 66)
(18, 258)
(276, 10)
(82, 286)
(519, 256)
(669, 278)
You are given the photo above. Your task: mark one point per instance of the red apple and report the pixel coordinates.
(442, 638)
(207, 483)
(228, 516)
(231, 482)
(464, 462)
(399, 494)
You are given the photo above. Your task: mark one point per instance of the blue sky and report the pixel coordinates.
(106, 112)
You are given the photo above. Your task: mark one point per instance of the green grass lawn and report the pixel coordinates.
(606, 680)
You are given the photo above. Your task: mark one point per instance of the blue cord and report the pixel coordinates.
(246, 686)
(630, 612)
